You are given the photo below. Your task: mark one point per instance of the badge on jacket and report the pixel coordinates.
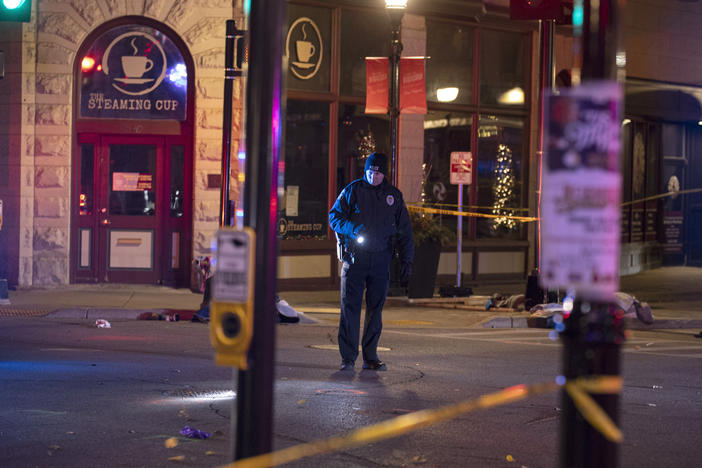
(390, 199)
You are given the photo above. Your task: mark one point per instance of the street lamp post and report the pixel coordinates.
(396, 9)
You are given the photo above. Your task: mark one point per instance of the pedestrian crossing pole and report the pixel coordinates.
(265, 118)
(593, 332)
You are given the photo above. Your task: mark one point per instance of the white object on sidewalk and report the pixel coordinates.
(102, 323)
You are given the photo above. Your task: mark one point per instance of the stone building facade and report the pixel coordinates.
(37, 121)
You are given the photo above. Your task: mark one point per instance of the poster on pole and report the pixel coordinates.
(580, 203)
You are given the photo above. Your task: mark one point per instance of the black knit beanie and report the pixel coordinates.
(377, 162)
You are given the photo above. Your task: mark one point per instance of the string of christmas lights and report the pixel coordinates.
(503, 190)
(366, 145)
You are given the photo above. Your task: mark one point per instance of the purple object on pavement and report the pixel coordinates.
(188, 431)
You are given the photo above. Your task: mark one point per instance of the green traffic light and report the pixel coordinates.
(13, 4)
(15, 11)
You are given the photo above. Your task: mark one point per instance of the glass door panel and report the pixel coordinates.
(132, 174)
(131, 183)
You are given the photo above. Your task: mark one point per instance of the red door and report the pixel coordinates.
(132, 216)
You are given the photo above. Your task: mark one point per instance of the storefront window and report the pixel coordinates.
(625, 169)
(177, 181)
(499, 190)
(638, 179)
(502, 70)
(363, 34)
(304, 208)
(85, 201)
(359, 135)
(652, 181)
(445, 133)
(308, 48)
(450, 66)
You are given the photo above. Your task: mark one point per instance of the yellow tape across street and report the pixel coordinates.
(662, 195)
(406, 423)
(524, 219)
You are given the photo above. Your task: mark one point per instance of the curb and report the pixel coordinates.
(506, 322)
(631, 324)
(108, 314)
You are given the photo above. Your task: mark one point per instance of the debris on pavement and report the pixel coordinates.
(171, 442)
(286, 314)
(515, 302)
(627, 303)
(202, 315)
(149, 316)
(102, 323)
(633, 308)
(188, 431)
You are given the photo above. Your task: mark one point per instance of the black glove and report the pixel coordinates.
(405, 272)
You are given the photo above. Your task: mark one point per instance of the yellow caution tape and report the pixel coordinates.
(412, 421)
(593, 413)
(524, 219)
(662, 195)
(471, 207)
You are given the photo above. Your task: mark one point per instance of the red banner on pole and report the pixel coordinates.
(377, 84)
(413, 89)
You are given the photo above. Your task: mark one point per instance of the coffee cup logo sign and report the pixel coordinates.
(303, 48)
(139, 76)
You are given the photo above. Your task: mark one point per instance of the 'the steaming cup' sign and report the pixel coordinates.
(134, 72)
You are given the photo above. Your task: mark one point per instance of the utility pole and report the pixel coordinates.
(265, 107)
(593, 332)
(231, 72)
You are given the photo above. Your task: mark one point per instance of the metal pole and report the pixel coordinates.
(395, 96)
(459, 236)
(593, 334)
(546, 82)
(224, 214)
(265, 104)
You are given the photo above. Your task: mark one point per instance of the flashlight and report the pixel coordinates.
(360, 239)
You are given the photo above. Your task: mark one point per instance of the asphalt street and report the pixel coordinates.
(76, 395)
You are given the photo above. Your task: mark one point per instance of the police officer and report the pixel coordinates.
(366, 216)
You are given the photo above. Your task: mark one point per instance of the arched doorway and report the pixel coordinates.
(131, 201)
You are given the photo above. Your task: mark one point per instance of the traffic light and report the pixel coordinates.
(15, 10)
(537, 9)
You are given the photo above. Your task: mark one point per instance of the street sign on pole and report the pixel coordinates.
(461, 167)
(461, 173)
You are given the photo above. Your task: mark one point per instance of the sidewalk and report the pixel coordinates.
(674, 294)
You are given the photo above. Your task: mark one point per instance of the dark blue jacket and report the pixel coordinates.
(379, 213)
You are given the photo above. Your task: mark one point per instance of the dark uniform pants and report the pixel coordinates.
(372, 272)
